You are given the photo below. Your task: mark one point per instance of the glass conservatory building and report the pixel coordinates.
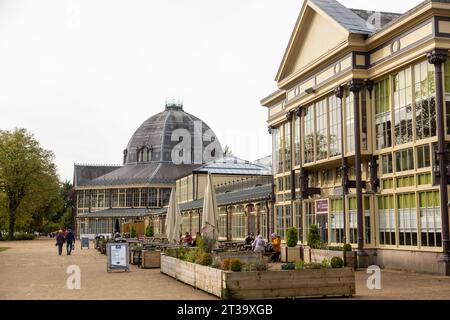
(360, 124)
(141, 187)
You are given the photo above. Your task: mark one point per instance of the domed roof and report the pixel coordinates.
(152, 141)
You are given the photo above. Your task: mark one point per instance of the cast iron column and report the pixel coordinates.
(437, 57)
(271, 224)
(355, 86)
(90, 205)
(339, 93)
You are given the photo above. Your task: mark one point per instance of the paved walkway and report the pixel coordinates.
(33, 270)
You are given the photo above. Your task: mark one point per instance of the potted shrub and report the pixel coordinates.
(349, 256)
(314, 237)
(292, 252)
(133, 232)
(149, 231)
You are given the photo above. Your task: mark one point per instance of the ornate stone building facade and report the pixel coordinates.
(360, 124)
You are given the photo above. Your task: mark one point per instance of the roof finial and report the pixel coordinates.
(174, 103)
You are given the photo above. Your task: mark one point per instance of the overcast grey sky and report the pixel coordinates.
(82, 75)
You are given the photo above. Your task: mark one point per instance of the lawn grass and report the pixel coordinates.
(3, 249)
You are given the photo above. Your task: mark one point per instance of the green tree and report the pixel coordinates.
(28, 180)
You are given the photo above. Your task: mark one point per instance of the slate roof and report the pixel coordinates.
(143, 173)
(233, 165)
(248, 195)
(156, 134)
(353, 20)
(85, 173)
(121, 213)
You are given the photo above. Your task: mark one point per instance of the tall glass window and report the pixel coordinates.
(335, 126)
(364, 120)
(386, 163)
(367, 221)
(423, 156)
(447, 90)
(299, 221)
(386, 220)
(350, 122)
(288, 219)
(407, 219)
(280, 221)
(297, 142)
(352, 220)
(430, 219)
(275, 150)
(310, 216)
(321, 131)
(403, 116)
(337, 221)
(153, 197)
(223, 224)
(287, 146)
(404, 160)
(383, 136)
(164, 196)
(94, 198)
(263, 222)
(238, 226)
(308, 136)
(425, 89)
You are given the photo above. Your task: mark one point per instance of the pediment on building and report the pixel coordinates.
(322, 26)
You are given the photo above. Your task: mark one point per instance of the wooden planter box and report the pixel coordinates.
(262, 284)
(292, 254)
(244, 256)
(350, 259)
(150, 259)
(318, 255)
(135, 257)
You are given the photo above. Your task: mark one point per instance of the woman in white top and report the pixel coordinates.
(259, 244)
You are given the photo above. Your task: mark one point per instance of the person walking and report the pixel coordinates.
(70, 240)
(60, 241)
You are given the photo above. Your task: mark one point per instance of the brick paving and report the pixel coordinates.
(33, 270)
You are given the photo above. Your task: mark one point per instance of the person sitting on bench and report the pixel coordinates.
(276, 244)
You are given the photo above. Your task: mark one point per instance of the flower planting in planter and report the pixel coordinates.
(233, 279)
(292, 252)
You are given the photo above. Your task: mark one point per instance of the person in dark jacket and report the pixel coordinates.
(70, 239)
(60, 241)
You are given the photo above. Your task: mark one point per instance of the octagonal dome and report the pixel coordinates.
(152, 141)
